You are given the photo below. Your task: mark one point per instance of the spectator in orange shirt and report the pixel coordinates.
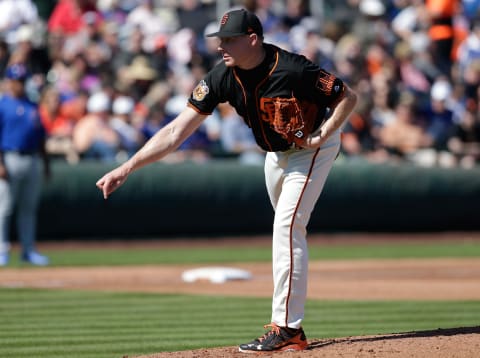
(441, 32)
(58, 125)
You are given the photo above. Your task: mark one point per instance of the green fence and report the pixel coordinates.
(225, 198)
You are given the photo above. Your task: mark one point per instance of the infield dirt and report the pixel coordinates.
(409, 279)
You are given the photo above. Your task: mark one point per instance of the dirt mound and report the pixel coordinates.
(417, 279)
(442, 343)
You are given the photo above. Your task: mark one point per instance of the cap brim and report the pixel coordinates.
(225, 34)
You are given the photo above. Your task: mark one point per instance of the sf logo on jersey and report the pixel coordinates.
(267, 108)
(284, 116)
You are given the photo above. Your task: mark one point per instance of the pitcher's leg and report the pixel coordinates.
(289, 256)
(304, 179)
(275, 164)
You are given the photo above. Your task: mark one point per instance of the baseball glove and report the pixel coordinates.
(294, 120)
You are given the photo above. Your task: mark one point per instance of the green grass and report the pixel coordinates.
(77, 324)
(219, 255)
(49, 323)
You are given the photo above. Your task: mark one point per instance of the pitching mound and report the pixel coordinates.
(446, 343)
(426, 279)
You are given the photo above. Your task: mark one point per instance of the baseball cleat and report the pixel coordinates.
(4, 259)
(278, 339)
(35, 258)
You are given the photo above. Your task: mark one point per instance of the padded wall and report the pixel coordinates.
(225, 198)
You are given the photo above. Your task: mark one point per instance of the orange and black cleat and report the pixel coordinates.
(278, 339)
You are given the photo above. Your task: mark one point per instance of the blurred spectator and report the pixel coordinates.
(131, 138)
(441, 33)
(410, 74)
(13, 14)
(155, 120)
(195, 15)
(110, 40)
(471, 8)
(139, 76)
(210, 46)
(184, 55)
(264, 9)
(357, 139)
(112, 11)
(148, 50)
(403, 138)
(348, 58)
(439, 118)
(295, 11)
(305, 39)
(4, 56)
(464, 142)
(131, 46)
(31, 45)
(22, 143)
(469, 49)
(411, 25)
(382, 111)
(93, 135)
(198, 147)
(371, 25)
(154, 23)
(471, 81)
(58, 126)
(237, 139)
(68, 18)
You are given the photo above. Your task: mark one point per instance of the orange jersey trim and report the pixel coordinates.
(256, 97)
(197, 110)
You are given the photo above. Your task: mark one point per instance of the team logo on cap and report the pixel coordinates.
(200, 91)
(224, 19)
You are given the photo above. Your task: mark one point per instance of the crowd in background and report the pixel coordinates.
(107, 74)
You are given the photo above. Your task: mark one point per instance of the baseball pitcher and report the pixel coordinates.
(295, 110)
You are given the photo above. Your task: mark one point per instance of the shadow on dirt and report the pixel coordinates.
(418, 334)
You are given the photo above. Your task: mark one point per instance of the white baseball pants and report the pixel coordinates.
(294, 181)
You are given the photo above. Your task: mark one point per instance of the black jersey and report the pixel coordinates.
(251, 92)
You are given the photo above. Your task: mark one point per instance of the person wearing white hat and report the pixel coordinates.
(93, 135)
(131, 138)
(439, 116)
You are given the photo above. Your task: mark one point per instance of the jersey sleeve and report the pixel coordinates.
(207, 94)
(321, 86)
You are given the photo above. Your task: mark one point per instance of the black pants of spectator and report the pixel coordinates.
(442, 55)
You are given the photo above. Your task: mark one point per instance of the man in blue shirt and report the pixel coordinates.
(22, 139)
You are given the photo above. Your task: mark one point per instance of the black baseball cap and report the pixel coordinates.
(238, 23)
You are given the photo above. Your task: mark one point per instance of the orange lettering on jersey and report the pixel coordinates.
(267, 109)
(325, 82)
